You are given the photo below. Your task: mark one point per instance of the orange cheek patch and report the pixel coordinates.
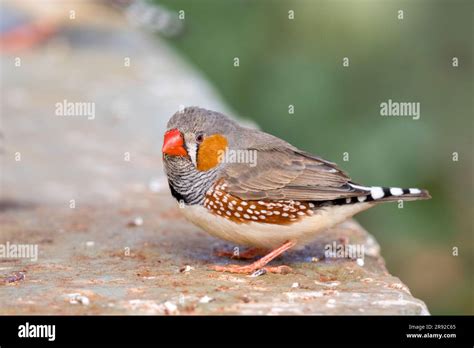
(211, 151)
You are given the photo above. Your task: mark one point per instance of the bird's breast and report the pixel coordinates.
(268, 235)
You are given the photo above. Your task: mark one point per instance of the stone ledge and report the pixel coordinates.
(83, 254)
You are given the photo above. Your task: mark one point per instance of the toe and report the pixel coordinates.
(232, 269)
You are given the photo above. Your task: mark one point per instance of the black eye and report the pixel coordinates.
(199, 137)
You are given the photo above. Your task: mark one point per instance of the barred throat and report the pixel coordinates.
(186, 183)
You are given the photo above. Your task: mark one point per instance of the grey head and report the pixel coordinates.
(186, 146)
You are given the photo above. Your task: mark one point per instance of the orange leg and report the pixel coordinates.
(244, 255)
(259, 264)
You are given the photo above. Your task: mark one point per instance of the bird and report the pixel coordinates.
(256, 190)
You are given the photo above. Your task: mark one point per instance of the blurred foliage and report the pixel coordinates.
(299, 62)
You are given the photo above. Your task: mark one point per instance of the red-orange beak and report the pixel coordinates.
(173, 144)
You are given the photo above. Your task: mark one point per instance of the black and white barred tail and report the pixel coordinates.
(384, 194)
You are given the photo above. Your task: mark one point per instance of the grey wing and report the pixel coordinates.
(288, 174)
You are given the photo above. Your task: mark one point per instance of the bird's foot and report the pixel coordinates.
(251, 269)
(248, 254)
(259, 264)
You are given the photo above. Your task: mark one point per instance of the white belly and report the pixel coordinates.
(264, 235)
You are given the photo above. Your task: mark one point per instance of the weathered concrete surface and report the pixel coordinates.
(83, 251)
(93, 259)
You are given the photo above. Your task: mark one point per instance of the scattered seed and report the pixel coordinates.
(186, 268)
(206, 299)
(78, 299)
(170, 307)
(245, 298)
(137, 221)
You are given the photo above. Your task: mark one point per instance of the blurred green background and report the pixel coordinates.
(337, 110)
